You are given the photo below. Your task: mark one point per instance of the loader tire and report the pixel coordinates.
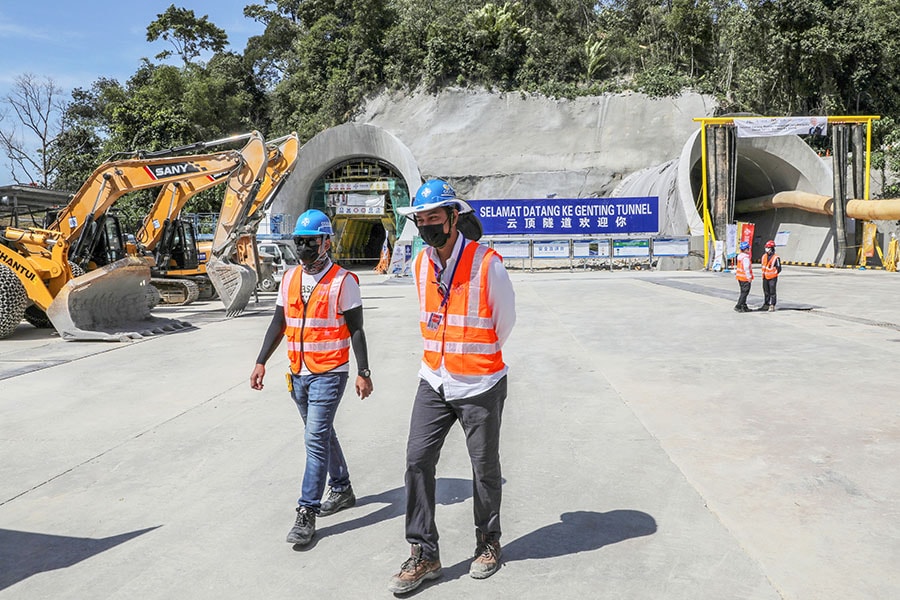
(268, 284)
(37, 317)
(13, 300)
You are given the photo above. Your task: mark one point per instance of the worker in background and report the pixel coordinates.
(771, 267)
(743, 272)
(467, 310)
(319, 309)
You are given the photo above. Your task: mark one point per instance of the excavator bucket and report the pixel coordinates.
(111, 303)
(235, 284)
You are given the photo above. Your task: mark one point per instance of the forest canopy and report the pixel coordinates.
(316, 62)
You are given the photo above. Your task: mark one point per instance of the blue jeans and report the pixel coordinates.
(317, 397)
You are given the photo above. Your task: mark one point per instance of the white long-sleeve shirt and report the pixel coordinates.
(502, 299)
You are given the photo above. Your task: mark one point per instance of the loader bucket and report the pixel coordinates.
(235, 284)
(111, 303)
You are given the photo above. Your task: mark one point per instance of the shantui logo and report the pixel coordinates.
(171, 170)
(15, 265)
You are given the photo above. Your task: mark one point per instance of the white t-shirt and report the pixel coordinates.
(349, 298)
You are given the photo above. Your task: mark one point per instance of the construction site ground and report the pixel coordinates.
(656, 445)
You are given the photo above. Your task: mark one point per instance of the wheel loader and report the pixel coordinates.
(41, 268)
(179, 272)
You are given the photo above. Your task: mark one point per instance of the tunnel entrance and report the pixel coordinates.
(360, 195)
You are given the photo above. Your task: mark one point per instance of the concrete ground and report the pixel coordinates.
(656, 445)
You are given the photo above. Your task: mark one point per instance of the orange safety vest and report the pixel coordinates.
(459, 331)
(739, 272)
(768, 266)
(316, 333)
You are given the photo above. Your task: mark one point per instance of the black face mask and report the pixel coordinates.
(307, 253)
(434, 235)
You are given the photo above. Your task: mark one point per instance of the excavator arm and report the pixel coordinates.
(235, 282)
(175, 194)
(107, 302)
(236, 242)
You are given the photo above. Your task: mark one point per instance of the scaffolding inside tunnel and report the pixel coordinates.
(360, 195)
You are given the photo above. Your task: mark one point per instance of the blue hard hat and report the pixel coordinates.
(313, 222)
(432, 194)
(745, 245)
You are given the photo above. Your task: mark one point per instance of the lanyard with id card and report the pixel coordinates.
(435, 318)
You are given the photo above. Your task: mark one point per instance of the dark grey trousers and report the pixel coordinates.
(432, 418)
(769, 289)
(745, 291)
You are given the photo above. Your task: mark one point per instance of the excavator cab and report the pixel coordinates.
(104, 245)
(177, 248)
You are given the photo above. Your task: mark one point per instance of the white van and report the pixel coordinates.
(283, 256)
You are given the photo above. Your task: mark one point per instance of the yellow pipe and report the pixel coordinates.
(865, 210)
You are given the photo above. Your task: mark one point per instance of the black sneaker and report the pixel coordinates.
(304, 527)
(336, 501)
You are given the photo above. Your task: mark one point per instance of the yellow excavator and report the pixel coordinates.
(43, 270)
(235, 241)
(179, 266)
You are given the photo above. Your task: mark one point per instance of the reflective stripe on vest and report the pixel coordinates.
(769, 269)
(465, 340)
(740, 272)
(316, 333)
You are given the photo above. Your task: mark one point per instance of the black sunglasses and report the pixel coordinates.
(307, 241)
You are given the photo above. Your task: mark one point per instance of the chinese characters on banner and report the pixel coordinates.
(568, 216)
(357, 197)
(745, 234)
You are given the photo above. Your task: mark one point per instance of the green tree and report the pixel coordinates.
(269, 53)
(186, 33)
(334, 61)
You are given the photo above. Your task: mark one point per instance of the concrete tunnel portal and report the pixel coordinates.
(338, 168)
(762, 167)
(357, 174)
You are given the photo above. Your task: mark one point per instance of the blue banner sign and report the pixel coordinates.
(568, 216)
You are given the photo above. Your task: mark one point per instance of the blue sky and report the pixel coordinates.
(74, 42)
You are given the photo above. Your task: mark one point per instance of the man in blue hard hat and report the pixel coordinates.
(467, 310)
(319, 310)
(743, 272)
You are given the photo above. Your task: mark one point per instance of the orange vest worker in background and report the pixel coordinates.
(771, 268)
(743, 272)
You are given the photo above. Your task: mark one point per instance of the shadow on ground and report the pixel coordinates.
(23, 553)
(580, 531)
(447, 491)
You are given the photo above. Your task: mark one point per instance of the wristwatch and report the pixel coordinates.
(365, 373)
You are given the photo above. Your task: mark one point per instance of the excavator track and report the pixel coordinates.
(179, 292)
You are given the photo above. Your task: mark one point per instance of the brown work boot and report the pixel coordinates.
(414, 571)
(487, 559)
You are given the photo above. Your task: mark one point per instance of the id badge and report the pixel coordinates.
(434, 321)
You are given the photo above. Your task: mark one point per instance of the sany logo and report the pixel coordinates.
(170, 170)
